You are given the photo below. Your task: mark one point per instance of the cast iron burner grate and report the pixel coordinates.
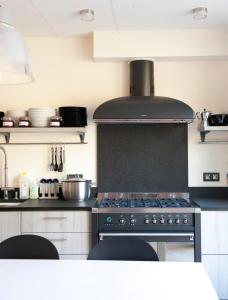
(143, 203)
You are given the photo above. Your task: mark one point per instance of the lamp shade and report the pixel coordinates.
(15, 67)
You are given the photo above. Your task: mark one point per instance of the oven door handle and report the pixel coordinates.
(147, 234)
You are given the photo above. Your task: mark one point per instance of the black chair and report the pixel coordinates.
(123, 248)
(28, 246)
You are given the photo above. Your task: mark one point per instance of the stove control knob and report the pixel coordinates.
(122, 221)
(185, 221)
(177, 221)
(169, 221)
(132, 221)
(146, 221)
(162, 220)
(154, 221)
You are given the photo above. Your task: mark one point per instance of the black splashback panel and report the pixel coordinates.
(142, 157)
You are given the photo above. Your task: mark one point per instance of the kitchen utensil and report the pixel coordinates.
(76, 189)
(60, 169)
(218, 119)
(73, 116)
(56, 187)
(56, 162)
(204, 116)
(42, 192)
(52, 166)
(64, 155)
(74, 176)
(49, 189)
(1, 116)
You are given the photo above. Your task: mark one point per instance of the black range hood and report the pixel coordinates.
(142, 106)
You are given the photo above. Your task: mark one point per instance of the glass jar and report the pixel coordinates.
(24, 122)
(55, 121)
(7, 122)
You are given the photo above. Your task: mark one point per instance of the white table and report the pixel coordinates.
(103, 280)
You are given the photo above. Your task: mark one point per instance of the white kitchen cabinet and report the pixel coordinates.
(69, 243)
(69, 231)
(217, 269)
(56, 221)
(9, 224)
(214, 232)
(214, 228)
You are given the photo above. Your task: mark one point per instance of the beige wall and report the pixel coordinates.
(65, 74)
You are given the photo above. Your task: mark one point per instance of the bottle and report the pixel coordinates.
(24, 122)
(24, 186)
(55, 121)
(7, 122)
(34, 190)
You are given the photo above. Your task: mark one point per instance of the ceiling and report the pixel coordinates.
(61, 18)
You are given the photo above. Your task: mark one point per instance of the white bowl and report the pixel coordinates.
(16, 113)
(41, 110)
(39, 124)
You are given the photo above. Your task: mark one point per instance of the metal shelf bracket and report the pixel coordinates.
(7, 136)
(82, 137)
(203, 135)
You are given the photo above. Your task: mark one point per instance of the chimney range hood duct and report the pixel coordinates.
(142, 106)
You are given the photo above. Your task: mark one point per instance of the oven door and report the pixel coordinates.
(169, 246)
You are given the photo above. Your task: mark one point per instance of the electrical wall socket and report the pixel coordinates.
(211, 176)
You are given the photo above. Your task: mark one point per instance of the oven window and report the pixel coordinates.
(172, 251)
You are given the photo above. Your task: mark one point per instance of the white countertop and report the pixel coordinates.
(103, 280)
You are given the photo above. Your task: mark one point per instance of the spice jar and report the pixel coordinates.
(24, 122)
(55, 121)
(7, 122)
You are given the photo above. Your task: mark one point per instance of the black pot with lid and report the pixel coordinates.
(218, 120)
(73, 116)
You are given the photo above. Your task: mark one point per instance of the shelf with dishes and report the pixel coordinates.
(80, 131)
(65, 119)
(209, 122)
(204, 129)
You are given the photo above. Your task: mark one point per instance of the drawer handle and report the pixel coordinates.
(58, 240)
(54, 218)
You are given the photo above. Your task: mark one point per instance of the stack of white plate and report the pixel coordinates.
(39, 116)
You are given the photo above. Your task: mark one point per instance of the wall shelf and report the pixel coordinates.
(6, 132)
(204, 130)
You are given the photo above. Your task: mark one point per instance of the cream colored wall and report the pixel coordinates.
(162, 45)
(65, 74)
(201, 85)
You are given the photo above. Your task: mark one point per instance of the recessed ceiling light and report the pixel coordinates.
(199, 13)
(87, 15)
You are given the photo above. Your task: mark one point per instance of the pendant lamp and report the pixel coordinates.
(15, 67)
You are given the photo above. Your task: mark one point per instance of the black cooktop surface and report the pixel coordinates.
(143, 203)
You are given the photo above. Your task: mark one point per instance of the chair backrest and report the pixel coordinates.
(28, 246)
(123, 248)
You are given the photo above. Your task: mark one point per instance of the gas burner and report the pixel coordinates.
(174, 203)
(132, 203)
(143, 203)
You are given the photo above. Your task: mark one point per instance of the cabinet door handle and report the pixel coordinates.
(58, 240)
(54, 218)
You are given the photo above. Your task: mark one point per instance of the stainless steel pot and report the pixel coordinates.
(76, 189)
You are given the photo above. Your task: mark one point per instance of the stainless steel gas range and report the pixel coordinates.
(167, 220)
